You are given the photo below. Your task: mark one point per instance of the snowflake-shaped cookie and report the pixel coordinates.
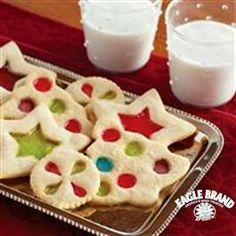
(40, 87)
(134, 170)
(24, 142)
(65, 179)
(146, 116)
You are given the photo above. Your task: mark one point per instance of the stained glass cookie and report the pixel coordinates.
(24, 142)
(65, 179)
(4, 95)
(40, 87)
(134, 170)
(13, 59)
(146, 116)
(92, 88)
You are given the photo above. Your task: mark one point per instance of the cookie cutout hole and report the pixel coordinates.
(57, 106)
(26, 105)
(127, 180)
(161, 167)
(104, 164)
(78, 167)
(87, 89)
(52, 168)
(78, 190)
(73, 126)
(134, 149)
(140, 123)
(109, 95)
(104, 189)
(34, 144)
(42, 84)
(52, 189)
(111, 135)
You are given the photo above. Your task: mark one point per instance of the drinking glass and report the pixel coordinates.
(201, 37)
(119, 34)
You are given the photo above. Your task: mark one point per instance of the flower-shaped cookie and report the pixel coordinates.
(65, 179)
(95, 88)
(4, 95)
(24, 142)
(134, 170)
(40, 87)
(146, 116)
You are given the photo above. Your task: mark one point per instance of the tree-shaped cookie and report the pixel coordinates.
(40, 87)
(24, 142)
(134, 170)
(146, 116)
(65, 179)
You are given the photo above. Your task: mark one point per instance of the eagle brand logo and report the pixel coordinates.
(205, 200)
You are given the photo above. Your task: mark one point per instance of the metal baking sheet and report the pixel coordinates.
(204, 149)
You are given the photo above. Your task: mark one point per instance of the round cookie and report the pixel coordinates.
(65, 179)
(89, 89)
(95, 88)
(40, 87)
(134, 170)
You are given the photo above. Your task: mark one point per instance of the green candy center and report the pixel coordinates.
(51, 189)
(134, 149)
(104, 189)
(78, 167)
(57, 106)
(109, 95)
(34, 144)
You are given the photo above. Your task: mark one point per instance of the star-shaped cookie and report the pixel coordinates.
(65, 179)
(146, 116)
(40, 88)
(135, 170)
(24, 142)
(13, 59)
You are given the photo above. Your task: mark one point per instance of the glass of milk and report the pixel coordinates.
(202, 51)
(119, 34)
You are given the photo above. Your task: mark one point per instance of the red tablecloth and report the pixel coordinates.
(63, 45)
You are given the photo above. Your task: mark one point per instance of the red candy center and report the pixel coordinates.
(26, 105)
(127, 180)
(88, 89)
(111, 135)
(78, 191)
(73, 126)
(43, 84)
(161, 167)
(140, 123)
(53, 168)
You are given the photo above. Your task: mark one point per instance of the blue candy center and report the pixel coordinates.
(104, 164)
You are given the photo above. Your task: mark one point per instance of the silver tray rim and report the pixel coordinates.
(130, 96)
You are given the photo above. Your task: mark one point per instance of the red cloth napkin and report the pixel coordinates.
(63, 45)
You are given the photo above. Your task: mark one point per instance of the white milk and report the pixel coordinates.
(120, 34)
(203, 74)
